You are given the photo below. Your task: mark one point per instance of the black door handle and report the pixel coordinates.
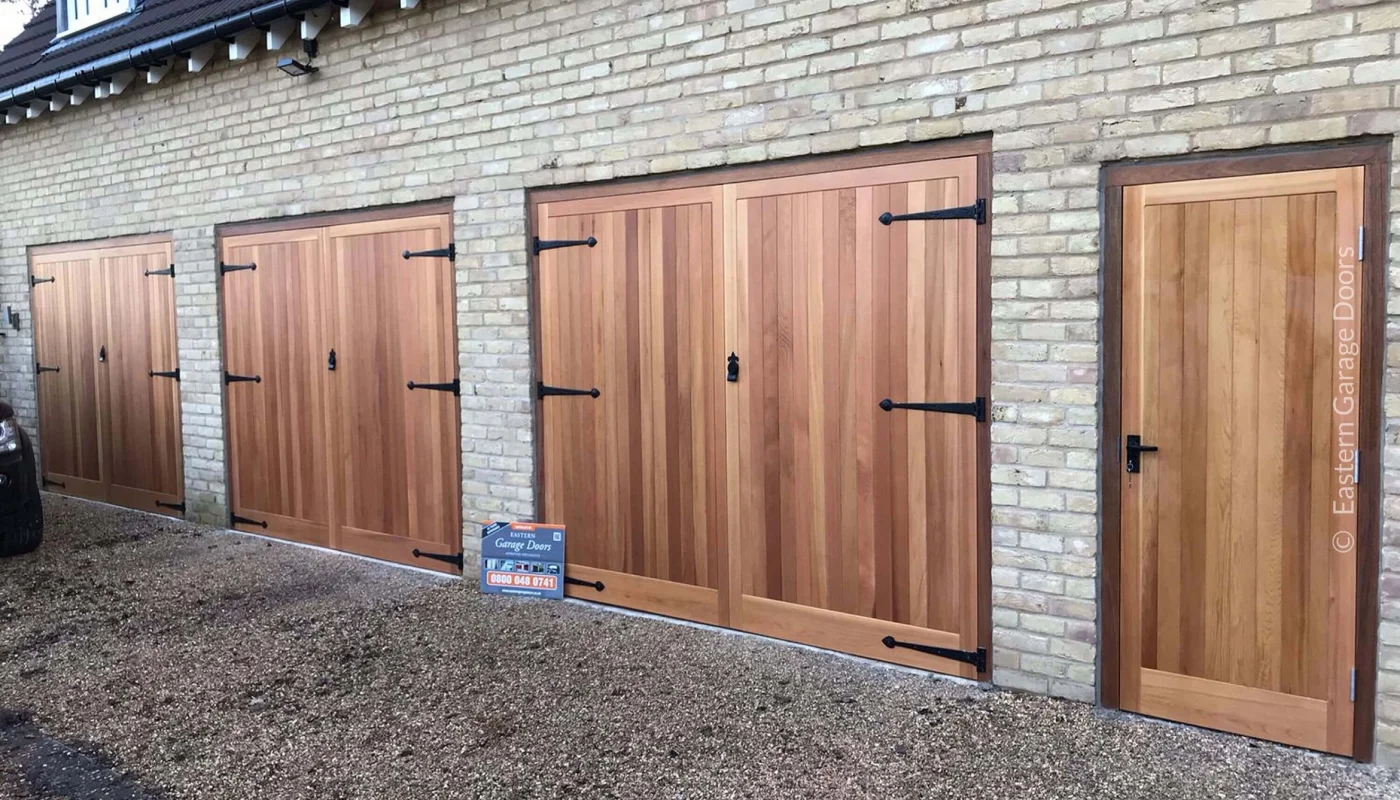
(330, 362)
(102, 354)
(1136, 448)
(733, 376)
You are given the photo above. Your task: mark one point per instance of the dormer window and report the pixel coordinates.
(77, 15)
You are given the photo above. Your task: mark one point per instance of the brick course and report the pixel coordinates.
(481, 100)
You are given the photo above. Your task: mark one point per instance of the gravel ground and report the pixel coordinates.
(146, 658)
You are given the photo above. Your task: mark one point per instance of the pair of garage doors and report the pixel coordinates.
(342, 390)
(107, 372)
(762, 403)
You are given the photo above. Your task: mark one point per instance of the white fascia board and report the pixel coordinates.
(354, 13)
(280, 32)
(244, 44)
(202, 55)
(314, 21)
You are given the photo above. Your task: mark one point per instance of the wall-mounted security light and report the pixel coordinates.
(295, 68)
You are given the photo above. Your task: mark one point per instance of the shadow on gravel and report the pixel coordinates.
(50, 767)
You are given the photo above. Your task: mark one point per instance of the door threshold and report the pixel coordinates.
(420, 570)
(870, 662)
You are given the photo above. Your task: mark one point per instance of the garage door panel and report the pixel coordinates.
(865, 512)
(144, 410)
(69, 319)
(395, 324)
(274, 330)
(637, 474)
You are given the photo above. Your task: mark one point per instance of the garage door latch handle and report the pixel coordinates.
(459, 560)
(595, 585)
(454, 386)
(542, 245)
(977, 658)
(330, 360)
(977, 408)
(544, 391)
(1135, 449)
(733, 376)
(977, 211)
(231, 378)
(102, 354)
(449, 252)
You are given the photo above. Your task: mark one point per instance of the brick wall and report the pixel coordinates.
(479, 101)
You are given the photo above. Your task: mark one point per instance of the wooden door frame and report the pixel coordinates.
(1372, 153)
(979, 146)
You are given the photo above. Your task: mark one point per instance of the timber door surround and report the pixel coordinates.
(1241, 447)
(763, 406)
(108, 372)
(342, 407)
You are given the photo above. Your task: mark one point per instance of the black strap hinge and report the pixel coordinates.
(225, 269)
(977, 658)
(35, 280)
(180, 506)
(170, 270)
(542, 245)
(596, 585)
(977, 211)
(46, 482)
(454, 386)
(544, 391)
(977, 408)
(449, 252)
(459, 561)
(237, 520)
(231, 378)
(174, 373)
(38, 368)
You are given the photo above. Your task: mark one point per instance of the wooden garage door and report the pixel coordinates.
(69, 326)
(328, 444)
(866, 520)
(109, 400)
(275, 333)
(396, 449)
(1240, 365)
(788, 435)
(637, 473)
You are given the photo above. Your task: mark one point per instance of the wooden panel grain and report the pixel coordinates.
(1250, 592)
(68, 323)
(867, 515)
(395, 449)
(276, 329)
(143, 412)
(640, 473)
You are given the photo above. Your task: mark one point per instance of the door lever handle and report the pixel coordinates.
(330, 362)
(102, 354)
(732, 374)
(1135, 449)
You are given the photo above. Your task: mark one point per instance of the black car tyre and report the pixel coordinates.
(25, 532)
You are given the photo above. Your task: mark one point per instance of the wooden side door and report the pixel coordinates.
(636, 472)
(396, 449)
(1240, 363)
(858, 523)
(142, 412)
(276, 351)
(69, 321)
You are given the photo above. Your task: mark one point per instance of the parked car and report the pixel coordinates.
(21, 511)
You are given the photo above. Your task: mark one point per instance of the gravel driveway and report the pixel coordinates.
(146, 658)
